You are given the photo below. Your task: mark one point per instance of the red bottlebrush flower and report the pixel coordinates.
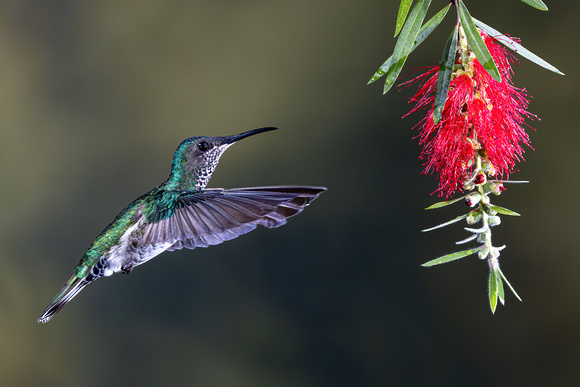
(481, 116)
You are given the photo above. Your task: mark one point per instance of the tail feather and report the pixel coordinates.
(70, 289)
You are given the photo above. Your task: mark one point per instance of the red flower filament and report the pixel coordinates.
(481, 118)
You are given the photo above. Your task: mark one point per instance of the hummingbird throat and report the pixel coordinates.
(206, 168)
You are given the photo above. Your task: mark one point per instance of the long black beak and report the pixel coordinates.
(238, 137)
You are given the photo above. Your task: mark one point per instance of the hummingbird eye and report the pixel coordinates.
(203, 146)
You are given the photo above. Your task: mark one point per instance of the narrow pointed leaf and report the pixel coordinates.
(504, 211)
(500, 292)
(476, 42)
(382, 70)
(443, 204)
(476, 230)
(402, 15)
(444, 74)
(405, 42)
(516, 47)
(493, 289)
(461, 217)
(450, 257)
(430, 25)
(509, 181)
(468, 239)
(538, 4)
(424, 32)
(509, 285)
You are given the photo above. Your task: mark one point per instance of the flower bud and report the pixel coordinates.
(479, 179)
(488, 167)
(473, 217)
(473, 199)
(483, 253)
(468, 185)
(490, 211)
(485, 199)
(493, 220)
(497, 188)
(494, 187)
(481, 237)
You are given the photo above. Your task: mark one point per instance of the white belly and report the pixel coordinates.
(130, 252)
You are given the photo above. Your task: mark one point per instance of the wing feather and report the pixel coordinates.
(210, 217)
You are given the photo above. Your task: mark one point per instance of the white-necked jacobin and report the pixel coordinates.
(183, 213)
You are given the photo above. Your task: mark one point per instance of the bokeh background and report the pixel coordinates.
(94, 98)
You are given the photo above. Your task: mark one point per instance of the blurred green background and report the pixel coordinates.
(94, 98)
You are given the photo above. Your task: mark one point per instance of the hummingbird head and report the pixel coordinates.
(196, 158)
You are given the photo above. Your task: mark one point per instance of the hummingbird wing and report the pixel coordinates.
(213, 216)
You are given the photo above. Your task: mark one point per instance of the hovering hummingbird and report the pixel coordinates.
(183, 213)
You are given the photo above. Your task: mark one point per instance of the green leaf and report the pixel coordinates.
(382, 70)
(450, 257)
(424, 32)
(468, 239)
(508, 284)
(500, 292)
(514, 181)
(504, 211)
(443, 204)
(538, 4)
(493, 289)
(444, 75)
(403, 10)
(430, 26)
(461, 217)
(405, 42)
(516, 47)
(476, 230)
(476, 42)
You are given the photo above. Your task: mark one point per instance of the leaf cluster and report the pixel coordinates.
(488, 215)
(412, 32)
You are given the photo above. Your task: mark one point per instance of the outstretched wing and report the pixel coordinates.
(217, 215)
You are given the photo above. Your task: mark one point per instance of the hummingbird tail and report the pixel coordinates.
(70, 289)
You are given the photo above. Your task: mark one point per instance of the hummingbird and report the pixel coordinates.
(182, 213)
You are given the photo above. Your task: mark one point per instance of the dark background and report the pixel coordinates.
(94, 98)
